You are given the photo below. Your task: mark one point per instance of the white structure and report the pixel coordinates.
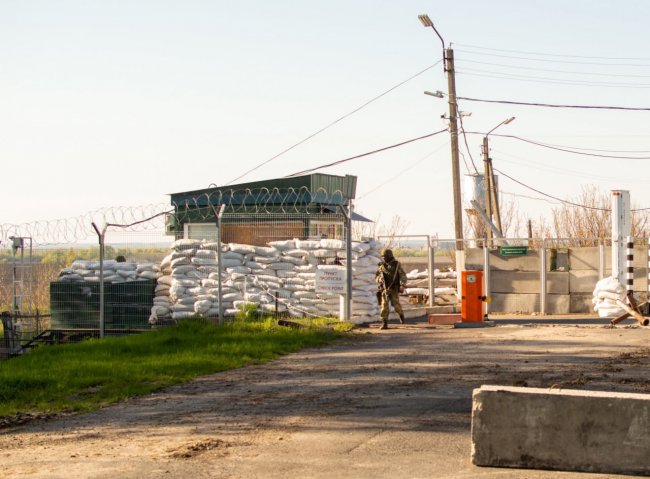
(621, 229)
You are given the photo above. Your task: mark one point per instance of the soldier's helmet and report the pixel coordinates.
(387, 254)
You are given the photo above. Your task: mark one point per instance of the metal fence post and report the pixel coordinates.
(219, 268)
(102, 235)
(542, 277)
(348, 264)
(432, 287)
(486, 274)
(601, 259)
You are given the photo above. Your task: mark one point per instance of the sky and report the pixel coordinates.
(120, 103)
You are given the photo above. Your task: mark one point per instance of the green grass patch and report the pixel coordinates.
(93, 373)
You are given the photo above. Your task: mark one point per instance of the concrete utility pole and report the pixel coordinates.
(448, 58)
(453, 129)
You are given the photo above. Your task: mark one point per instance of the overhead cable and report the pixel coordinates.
(550, 54)
(304, 172)
(570, 203)
(550, 105)
(566, 150)
(309, 137)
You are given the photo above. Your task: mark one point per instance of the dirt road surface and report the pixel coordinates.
(388, 404)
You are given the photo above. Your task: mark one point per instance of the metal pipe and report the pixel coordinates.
(542, 278)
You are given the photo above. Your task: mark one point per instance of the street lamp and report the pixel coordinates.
(448, 59)
(488, 180)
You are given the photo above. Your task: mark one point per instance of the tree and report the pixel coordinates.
(586, 219)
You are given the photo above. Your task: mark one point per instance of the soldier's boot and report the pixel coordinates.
(401, 318)
(384, 325)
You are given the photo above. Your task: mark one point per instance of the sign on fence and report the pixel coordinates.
(331, 280)
(513, 250)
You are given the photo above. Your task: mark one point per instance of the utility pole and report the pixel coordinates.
(448, 59)
(486, 184)
(453, 129)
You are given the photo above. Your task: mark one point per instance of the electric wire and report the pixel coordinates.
(557, 61)
(566, 150)
(401, 172)
(462, 130)
(477, 47)
(560, 81)
(334, 163)
(551, 105)
(309, 137)
(550, 70)
(566, 202)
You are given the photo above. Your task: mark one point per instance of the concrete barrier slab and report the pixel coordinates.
(571, 430)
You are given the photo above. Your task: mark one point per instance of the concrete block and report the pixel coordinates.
(514, 303)
(581, 303)
(582, 281)
(557, 282)
(514, 282)
(558, 304)
(438, 318)
(588, 258)
(565, 430)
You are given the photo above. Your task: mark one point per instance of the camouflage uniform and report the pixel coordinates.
(391, 279)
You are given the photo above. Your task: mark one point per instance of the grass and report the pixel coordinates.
(88, 375)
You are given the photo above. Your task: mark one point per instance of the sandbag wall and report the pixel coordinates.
(252, 277)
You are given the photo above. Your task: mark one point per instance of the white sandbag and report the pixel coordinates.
(297, 253)
(232, 255)
(182, 269)
(265, 260)
(160, 310)
(182, 314)
(421, 291)
(360, 247)
(127, 274)
(187, 282)
(283, 245)
(280, 265)
(266, 251)
(305, 268)
(285, 273)
(230, 262)
(211, 245)
(206, 253)
(254, 265)
(241, 248)
(202, 306)
(232, 296)
(326, 243)
(307, 244)
(184, 306)
(185, 244)
(125, 266)
(149, 274)
(294, 260)
(305, 294)
(238, 270)
(204, 261)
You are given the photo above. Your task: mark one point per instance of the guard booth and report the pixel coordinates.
(472, 297)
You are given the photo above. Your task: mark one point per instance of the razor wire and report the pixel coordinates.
(79, 228)
(200, 207)
(258, 201)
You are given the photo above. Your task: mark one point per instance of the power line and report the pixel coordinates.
(550, 105)
(583, 153)
(570, 203)
(558, 81)
(400, 173)
(304, 172)
(477, 47)
(286, 150)
(550, 70)
(558, 61)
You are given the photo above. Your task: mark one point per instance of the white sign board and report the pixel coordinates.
(331, 280)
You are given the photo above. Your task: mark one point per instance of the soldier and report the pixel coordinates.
(391, 280)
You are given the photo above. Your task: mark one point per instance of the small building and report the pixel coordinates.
(308, 207)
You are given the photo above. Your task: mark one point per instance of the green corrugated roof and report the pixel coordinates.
(315, 188)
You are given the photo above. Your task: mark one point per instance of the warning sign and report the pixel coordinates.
(331, 280)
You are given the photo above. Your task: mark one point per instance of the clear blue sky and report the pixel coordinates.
(120, 103)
